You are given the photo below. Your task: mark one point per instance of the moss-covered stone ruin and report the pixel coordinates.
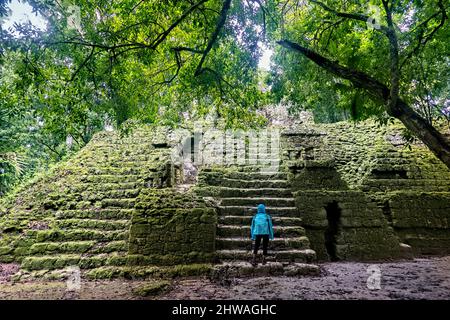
(120, 206)
(388, 198)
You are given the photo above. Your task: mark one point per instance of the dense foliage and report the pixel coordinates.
(328, 28)
(105, 62)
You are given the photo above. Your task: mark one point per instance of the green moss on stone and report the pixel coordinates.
(152, 289)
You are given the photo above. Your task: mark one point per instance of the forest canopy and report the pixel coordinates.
(101, 62)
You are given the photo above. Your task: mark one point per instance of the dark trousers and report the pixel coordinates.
(265, 241)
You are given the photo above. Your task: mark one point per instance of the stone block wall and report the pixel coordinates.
(312, 174)
(405, 188)
(112, 203)
(303, 144)
(80, 212)
(362, 231)
(422, 220)
(169, 227)
(368, 156)
(414, 169)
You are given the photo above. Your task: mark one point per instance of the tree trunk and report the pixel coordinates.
(431, 137)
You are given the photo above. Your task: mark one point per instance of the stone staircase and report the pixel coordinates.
(84, 217)
(80, 214)
(239, 191)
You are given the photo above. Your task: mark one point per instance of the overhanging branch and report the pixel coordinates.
(423, 39)
(220, 23)
(352, 16)
(393, 54)
(359, 79)
(435, 141)
(164, 35)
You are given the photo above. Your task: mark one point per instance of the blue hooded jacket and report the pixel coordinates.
(261, 223)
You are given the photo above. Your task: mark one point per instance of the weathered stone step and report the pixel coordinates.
(247, 220)
(269, 202)
(257, 175)
(235, 183)
(247, 163)
(70, 203)
(90, 195)
(293, 255)
(92, 224)
(258, 165)
(102, 187)
(254, 152)
(263, 158)
(437, 184)
(109, 170)
(116, 140)
(113, 194)
(259, 168)
(245, 269)
(264, 149)
(113, 152)
(226, 192)
(105, 161)
(118, 203)
(58, 261)
(130, 147)
(113, 156)
(77, 235)
(118, 166)
(275, 244)
(120, 246)
(133, 150)
(73, 247)
(61, 247)
(244, 231)
(262, 176)
(102, 178)
(251, 210)
(267, 148)
(99, 214)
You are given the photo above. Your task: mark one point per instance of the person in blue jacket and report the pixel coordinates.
(261, 229)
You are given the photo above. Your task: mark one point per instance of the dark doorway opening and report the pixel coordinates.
(387, 212)
(332, 230)
(193, 149)
(391, 174)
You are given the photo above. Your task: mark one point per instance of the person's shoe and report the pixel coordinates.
(254, 263)
(264, 260)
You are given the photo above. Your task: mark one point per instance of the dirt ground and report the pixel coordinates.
(425, 278)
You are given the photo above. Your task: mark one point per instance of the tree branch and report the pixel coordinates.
(135, 6)
(360, 79)
(393, 52)
(423, 40)
(49, 147)
(431, 137)
(164, 35)
(134, 45)
(178, 49)
(85, 61)
(179, 64)
(215, 35)
(352, 16)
